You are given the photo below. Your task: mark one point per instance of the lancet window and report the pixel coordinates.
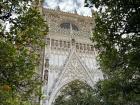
(48, 41)
(77, 46)
(52, 42)
(68, 44)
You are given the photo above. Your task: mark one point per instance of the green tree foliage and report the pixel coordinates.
(76, 93)
(22, 31)
(117, 40)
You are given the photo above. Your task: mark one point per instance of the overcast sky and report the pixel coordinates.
(69, 6)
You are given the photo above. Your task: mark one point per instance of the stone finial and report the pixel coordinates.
(93, 12)
(58, 8)
(75, 11)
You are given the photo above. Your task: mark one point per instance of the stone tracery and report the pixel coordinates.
(68, 25)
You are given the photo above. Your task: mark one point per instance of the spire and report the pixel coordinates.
(58, 8)
(92, 11)
(75, 11)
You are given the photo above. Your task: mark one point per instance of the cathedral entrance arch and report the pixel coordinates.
(68, 92)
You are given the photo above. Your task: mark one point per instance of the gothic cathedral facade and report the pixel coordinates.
(69, 54)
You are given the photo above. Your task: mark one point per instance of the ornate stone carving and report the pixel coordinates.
(69, 52)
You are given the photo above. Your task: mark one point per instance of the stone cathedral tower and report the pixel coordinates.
(69, 54)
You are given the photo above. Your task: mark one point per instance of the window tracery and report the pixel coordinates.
(65, 25)
(68, 25)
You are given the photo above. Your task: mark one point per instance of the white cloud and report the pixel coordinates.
(69, 6)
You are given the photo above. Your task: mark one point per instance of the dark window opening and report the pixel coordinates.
(65, 25)
(74, 27)
(68, 25)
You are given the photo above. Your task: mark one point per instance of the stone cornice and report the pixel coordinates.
(53, 11)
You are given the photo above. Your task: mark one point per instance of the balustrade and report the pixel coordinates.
(65, 45)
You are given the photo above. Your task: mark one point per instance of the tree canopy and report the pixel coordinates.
(76, 93)
(117, 40)
(22, 31)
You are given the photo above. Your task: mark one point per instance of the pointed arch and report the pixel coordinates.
(80, 73)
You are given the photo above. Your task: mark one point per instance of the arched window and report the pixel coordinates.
(65, 25)
(68, 26)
